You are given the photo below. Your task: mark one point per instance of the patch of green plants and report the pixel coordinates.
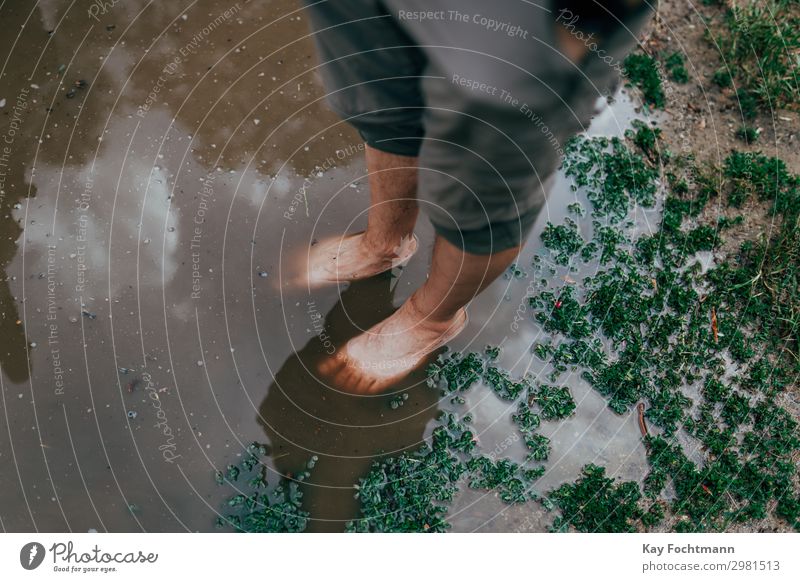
(526, 420)
(577, 209)
(760, 41)
(762, 284)
(257, 507)
(615, 178)
(571, 354)
(554, 402)
(675, 64)
(722, 77)
(561, 313)
(594, 503)
(502, 384)
(747, 134)
(647, 138)
(456, 372)
(538, 446)
(563, 240)
(409, 493)
(511, 481)
(641, 70)
(747, 103)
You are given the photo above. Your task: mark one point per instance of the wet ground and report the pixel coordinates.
(168, 164)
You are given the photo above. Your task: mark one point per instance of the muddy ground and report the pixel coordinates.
(164, 176)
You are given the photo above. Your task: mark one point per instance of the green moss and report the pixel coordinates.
(539, 447)
(508, 479)
(747, 134)
(595, 504)
(641, 70)
(409, 493)
(615, 178)
(501, 383)
(646, 138)
(675, 66)
(554, 402)
(261, 509)
(563, 240)
(759, 42)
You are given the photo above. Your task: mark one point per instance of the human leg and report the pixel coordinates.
(432, 316)
(388, 240)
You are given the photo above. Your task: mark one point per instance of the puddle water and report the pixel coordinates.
(152, 220)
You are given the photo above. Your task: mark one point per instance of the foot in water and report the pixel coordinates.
(352, 257)
(381, 356)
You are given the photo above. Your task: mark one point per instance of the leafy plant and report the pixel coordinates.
(259, 508)
(759, 41)
(642, 71)
(675, 65)
(595, 504)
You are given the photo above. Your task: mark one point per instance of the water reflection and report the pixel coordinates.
(302, 416)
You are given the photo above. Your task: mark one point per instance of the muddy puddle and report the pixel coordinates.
(167, 172)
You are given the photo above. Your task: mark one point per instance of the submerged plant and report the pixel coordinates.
(258, 508)
(595, 504)
(408, 493)
(563, 240)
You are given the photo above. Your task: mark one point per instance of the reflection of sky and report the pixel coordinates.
(135, 220)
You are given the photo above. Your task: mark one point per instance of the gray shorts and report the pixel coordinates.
(480, 91)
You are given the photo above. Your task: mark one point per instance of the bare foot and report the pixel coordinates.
(352, 257)
(388, 351)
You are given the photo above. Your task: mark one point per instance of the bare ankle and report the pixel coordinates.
(436, 316)
(384, 245)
